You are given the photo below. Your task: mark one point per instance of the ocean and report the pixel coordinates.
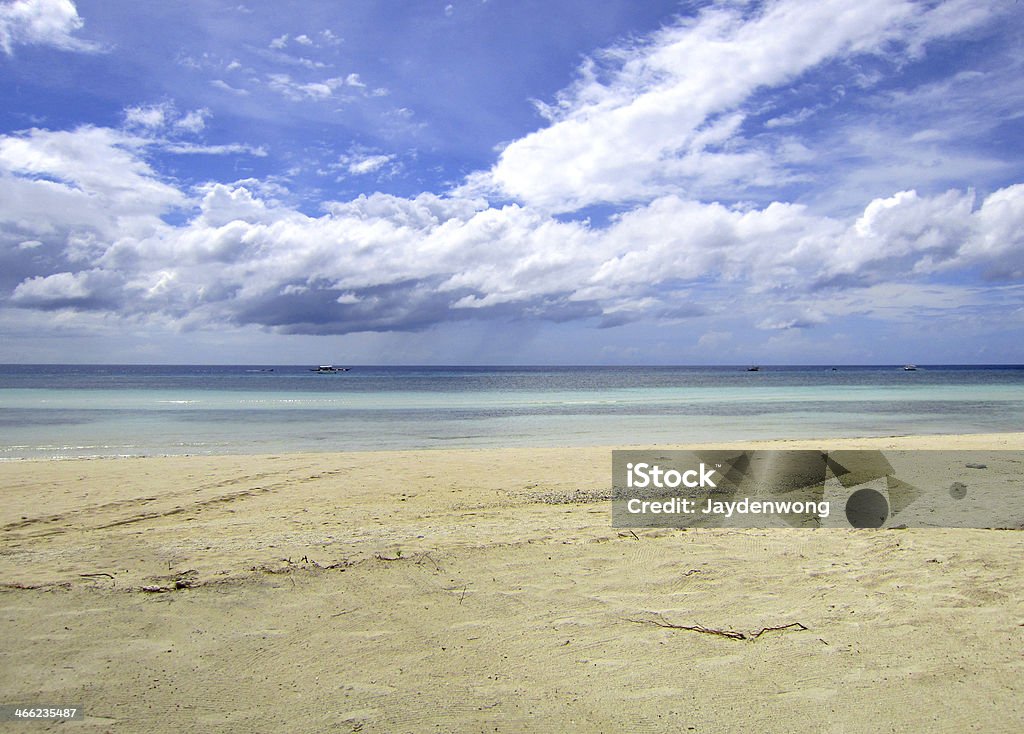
(64, 411)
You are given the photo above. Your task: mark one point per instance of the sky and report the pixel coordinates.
(512, 182)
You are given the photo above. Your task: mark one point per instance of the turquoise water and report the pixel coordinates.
(73, 411)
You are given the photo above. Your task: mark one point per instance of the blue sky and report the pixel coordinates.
(490, 182)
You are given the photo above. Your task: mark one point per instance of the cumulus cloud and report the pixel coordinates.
(77, 194)
(88, 290)
(382, 262)
(998, 246)
(42, 22)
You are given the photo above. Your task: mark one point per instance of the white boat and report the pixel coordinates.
(909, 367)
(328, 368)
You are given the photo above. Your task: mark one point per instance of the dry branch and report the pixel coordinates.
(660, 621)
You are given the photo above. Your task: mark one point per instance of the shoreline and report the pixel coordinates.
(980, 440)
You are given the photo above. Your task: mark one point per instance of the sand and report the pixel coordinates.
(483, 590)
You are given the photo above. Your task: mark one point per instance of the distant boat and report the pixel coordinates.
(909, 367)
(753, 369)
(328, 368)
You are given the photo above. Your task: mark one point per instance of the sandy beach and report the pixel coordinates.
(483, 590)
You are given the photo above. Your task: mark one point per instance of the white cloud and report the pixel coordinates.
(294, 90)
(317, 90)
(662, 124)
(222, 204)
(381, 262)
(99, 167)
(150, 116)
(792, 118)
(226, 149)
(224, 86)
(359, 162)
(302, 39)
(369, 163)
(156, 117)
(193, 122)
(929, 136)
(42, 22)
(276, 53)
(802, 321)
(82, 289)
(80, 193)
(161, 126)
(665, 115)
(998, 245)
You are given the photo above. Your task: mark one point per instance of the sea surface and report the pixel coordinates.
(83, 411)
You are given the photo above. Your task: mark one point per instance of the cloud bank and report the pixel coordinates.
(383, 262)
(678, 131)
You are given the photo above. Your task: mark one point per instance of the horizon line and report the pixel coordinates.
(310, 365)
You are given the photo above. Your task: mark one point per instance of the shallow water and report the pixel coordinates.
(71, 411)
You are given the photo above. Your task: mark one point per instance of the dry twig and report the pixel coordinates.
(660, 621)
